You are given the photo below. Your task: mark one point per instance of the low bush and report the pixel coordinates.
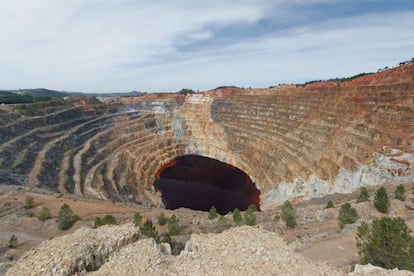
(249, 217)
(162, 219)
(44, 214)
(381, 201)
(237, 217)
(106, 220)
(363, 195)
(66, 217)
(212, 214)
(400, 192)
(13, 242)
(329, 204)
(148, 230)
(347, 215)
(288, 214)
(137, 219)
(29, 202)
(173, 225)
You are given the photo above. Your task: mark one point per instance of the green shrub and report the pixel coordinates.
(166, 238)
(222, 222)
(288, 214)
(162, 219)
(276, 218)
(249, 217)
(400, 192)
(173, 225)
(13, 241)
(137, 219)
(29, 214)
(44, 214)
(329, 204)
(212, 214)
(381, 201)
(386, 242)
(347, 214)
(29, 202)
(148, 230)
(363, 195)
(237, 217)
(106, 220)
(66, 218)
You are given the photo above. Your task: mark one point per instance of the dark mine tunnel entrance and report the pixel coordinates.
(198, 182)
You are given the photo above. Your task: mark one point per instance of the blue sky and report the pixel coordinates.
(125, 45)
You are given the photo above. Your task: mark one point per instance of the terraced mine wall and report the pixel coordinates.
(294, 142)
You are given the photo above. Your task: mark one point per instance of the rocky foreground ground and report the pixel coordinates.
(120, 250)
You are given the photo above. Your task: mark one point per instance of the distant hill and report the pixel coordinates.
(42, 94)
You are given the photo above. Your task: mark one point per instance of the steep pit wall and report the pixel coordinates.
(293, 142)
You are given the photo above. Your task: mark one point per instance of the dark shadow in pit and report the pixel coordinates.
(198, 183)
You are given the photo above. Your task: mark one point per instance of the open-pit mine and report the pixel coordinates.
(287, 142)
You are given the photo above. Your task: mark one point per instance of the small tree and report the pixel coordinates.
(386, 243)
(106, 220)
(237, 217)
(381, 201)
(29, 202)
(44, 214)
(400, 192)
(13, 241)
(212, 214)
(162, 219)
(288, 214)
(329, 204)
(347, 214)
(66, 218)
(148, 229)
(137, 219)
(249, 215)
(363, 195)
(173, 225)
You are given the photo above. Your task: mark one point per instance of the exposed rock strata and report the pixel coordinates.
(294, 142)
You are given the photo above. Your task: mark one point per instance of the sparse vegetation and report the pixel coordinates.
(13, 241)
(381, 201)
(162, 219)
(347, 214)
(249, 217)
(288, 214)
(212, 214)
(137, 219)
(186, 91)
(237, 217)
(66, 217)
(29, 202)
(148, 230)
(276, 218)
(166, 238)
(44, 214)
(29, 214)
(173, 225)
(106, 220)
(387, 243)
(363, 195)
(329, 204)
(400, 192)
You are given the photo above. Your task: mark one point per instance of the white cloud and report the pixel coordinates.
(137, 45)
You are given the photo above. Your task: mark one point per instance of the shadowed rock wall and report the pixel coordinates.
(294, 142)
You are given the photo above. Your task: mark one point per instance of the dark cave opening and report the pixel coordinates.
(198, 182)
